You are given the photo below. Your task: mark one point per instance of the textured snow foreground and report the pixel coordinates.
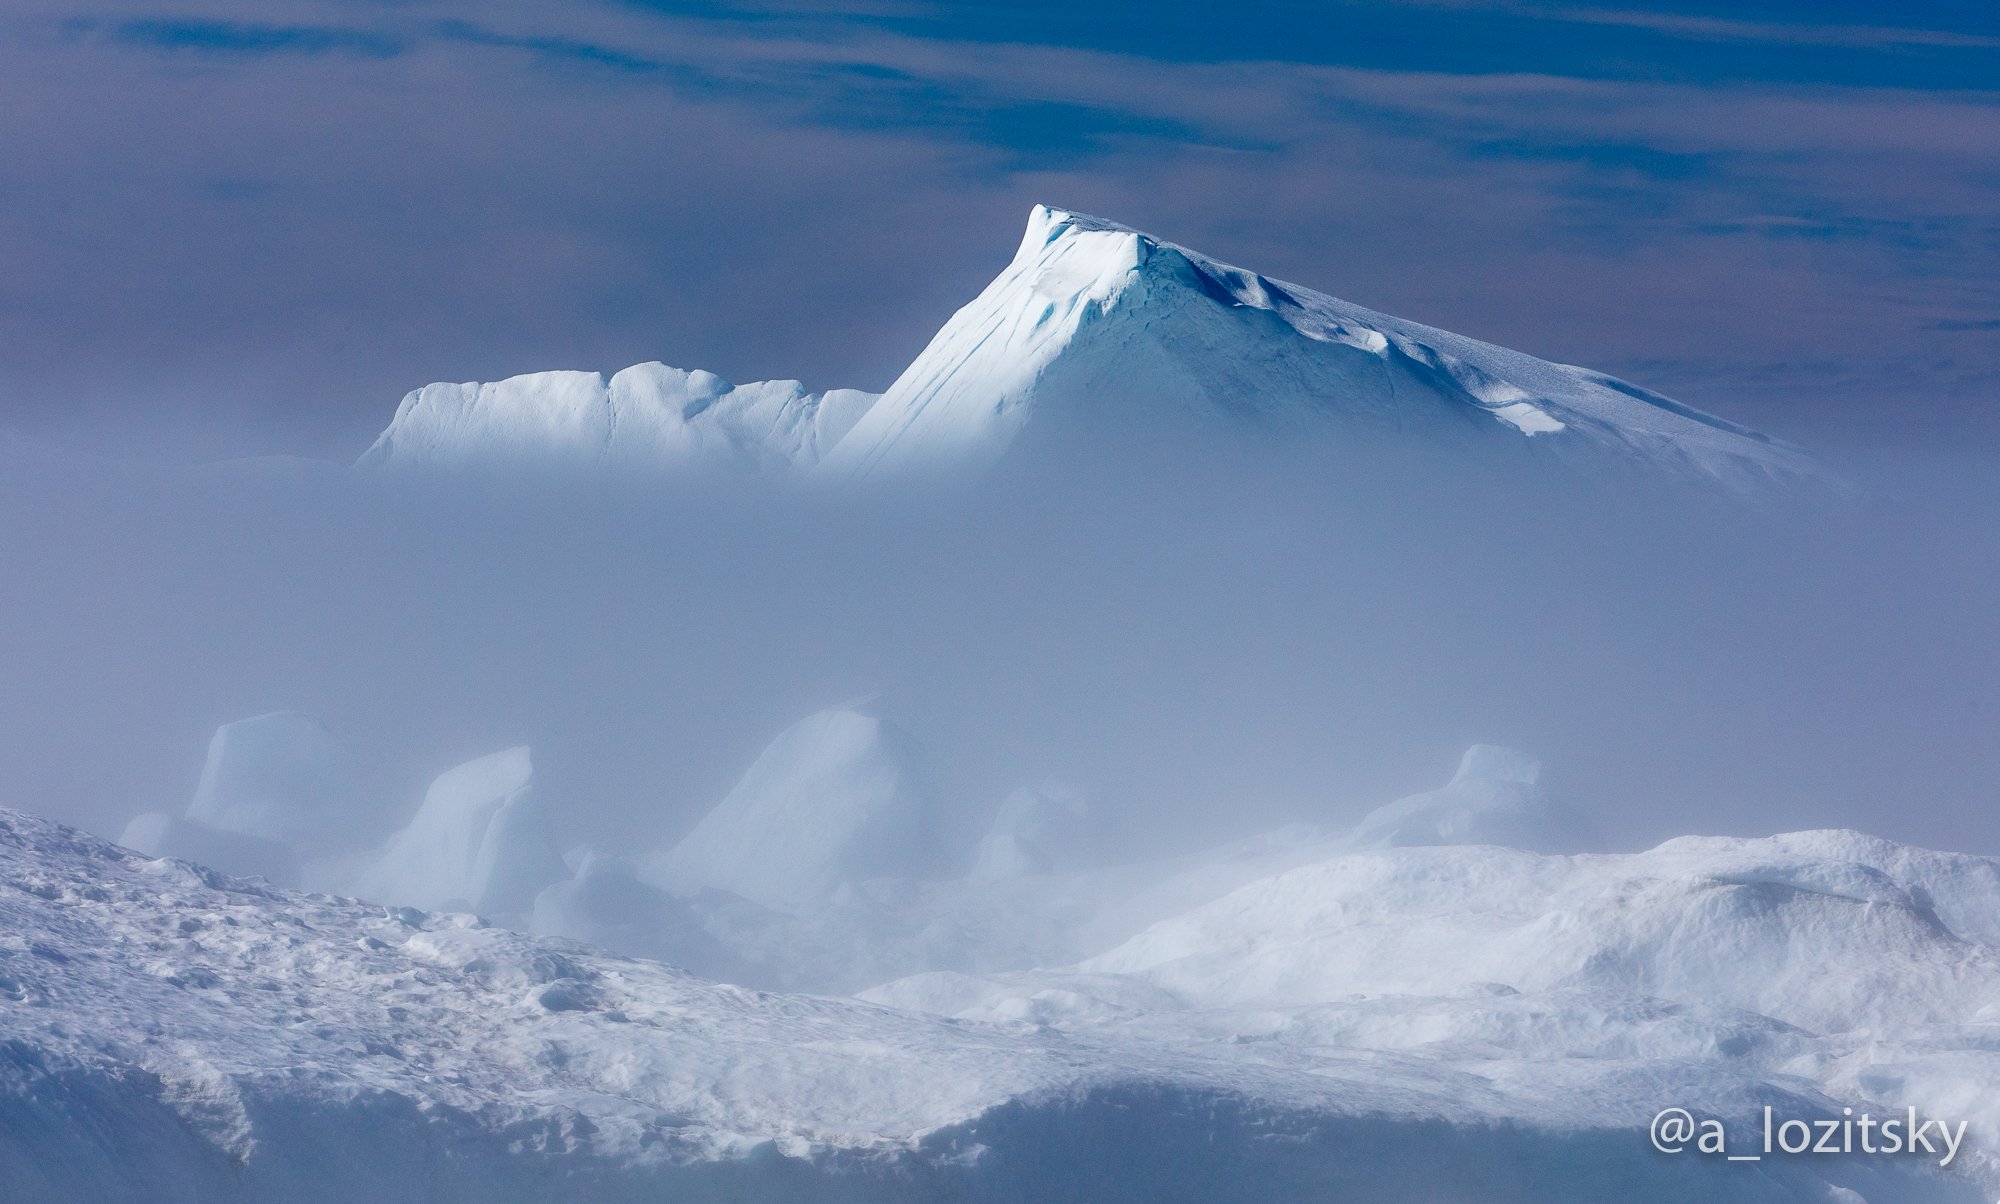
(1421, 1023)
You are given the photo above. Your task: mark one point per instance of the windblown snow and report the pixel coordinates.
(1095, 332)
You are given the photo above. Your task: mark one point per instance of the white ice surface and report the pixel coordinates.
(1107, 329)
(646, 418)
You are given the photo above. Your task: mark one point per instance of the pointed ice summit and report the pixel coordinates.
(1110, 331)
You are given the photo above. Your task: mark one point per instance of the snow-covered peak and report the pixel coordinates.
(1093, 333)
(1106, 328)
(645, 418)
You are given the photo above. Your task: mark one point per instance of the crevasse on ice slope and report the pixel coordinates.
(1420, 1024)
(1092, 320)
(1094, 331)
(648, 417)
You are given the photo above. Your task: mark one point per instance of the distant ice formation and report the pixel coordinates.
(1495, 798)
(272, 786)
(648, 418)
(479, 843)
(841, 796)
(1036, 832)
(1093, 335)
(1101, 328)
(281, 776)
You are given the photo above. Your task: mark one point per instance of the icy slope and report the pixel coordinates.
(170, 1034)
(1831, 961)
(645, 418)
(1109, 331)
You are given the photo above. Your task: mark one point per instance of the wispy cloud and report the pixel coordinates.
(245, 38)
(1806, 32)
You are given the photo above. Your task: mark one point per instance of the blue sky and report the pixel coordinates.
(231, 227)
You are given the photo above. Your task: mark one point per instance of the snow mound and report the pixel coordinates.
(1101, 330)
(839, 797)
(1039, 892)
(480, 843)
(1495, 798)
(645, 418)
(1817, 939)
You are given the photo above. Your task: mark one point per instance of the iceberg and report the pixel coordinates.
(279, 777)
(1103, 332)
(480, 843)
(1095, 338)
(647, 418)
(1494, 798)
(840, 797)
